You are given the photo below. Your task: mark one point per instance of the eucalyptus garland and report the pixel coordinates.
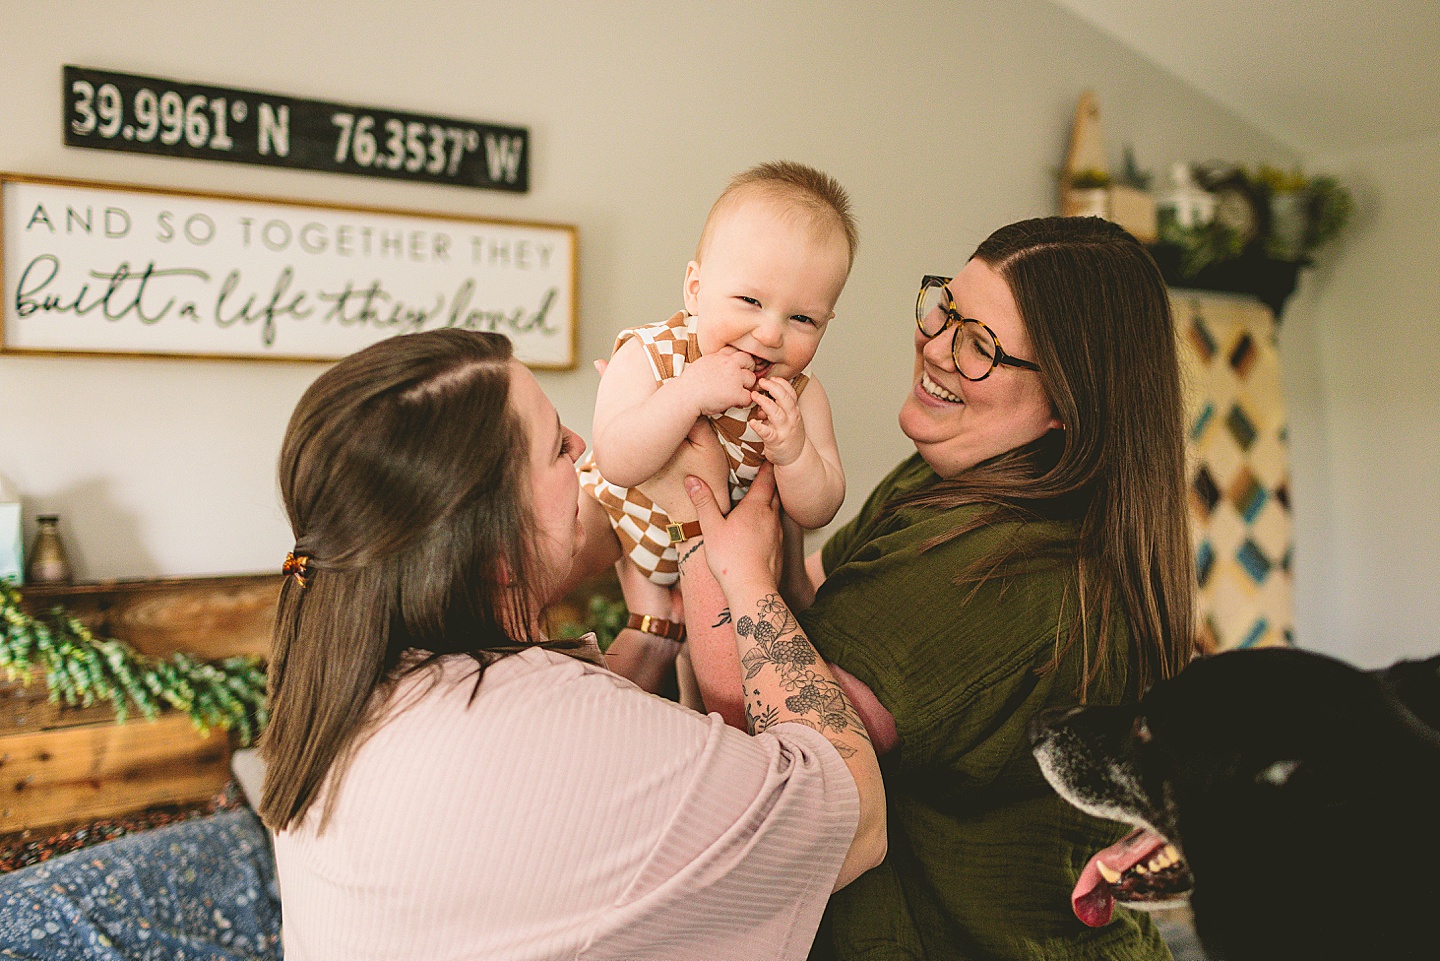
(81, 669)
(1202, 245)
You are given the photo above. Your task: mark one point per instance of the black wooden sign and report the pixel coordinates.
(121, 111)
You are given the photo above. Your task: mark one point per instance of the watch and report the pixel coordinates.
(682, 532)
(659, 626)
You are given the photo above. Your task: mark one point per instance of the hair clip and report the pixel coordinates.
(296, 566)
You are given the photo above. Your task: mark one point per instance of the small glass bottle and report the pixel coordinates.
(48, 561)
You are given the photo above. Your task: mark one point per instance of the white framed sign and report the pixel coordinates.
(92, 268)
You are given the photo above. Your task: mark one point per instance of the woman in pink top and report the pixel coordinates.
(444, 781)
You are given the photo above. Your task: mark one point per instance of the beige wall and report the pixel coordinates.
(945, 119)
(1362, 350)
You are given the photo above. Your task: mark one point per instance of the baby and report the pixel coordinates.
(773, 257)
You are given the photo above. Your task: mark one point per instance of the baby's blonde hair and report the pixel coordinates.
(803, 188)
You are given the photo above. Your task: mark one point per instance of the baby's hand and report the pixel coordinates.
(720, 381)
(777, 420)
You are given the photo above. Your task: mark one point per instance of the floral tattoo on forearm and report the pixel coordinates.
(780, 645)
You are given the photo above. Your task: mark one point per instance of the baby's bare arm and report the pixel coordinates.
(812, 487)
(638, 424)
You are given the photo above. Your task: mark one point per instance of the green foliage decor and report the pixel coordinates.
(1327, 206)
(1300, 214)
(1089, 179)
(81, 669)
(1200, 245)
(605, 616)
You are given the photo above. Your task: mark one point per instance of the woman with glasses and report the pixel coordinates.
(1032, 554)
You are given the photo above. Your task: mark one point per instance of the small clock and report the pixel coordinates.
(1237, 210)
(1237, 206)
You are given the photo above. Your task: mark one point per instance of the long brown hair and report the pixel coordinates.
(1098, 316)
(403, 471)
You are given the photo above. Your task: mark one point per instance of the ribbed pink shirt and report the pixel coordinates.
(564, 813)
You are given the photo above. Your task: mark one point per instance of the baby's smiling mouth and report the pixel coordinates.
(762, 366)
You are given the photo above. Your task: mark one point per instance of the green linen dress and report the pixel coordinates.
(983, 855)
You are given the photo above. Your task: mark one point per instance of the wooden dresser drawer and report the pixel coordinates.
(100, 770)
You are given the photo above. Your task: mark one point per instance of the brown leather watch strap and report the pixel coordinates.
(650, 624)
(682, 532)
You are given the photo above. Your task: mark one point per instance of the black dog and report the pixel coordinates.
(1298, 796)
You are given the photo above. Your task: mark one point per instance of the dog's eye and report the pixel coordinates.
(1141, 730)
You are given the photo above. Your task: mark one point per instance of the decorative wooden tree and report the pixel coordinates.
(1086, 187)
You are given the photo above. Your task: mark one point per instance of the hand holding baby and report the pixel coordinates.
(700, 455)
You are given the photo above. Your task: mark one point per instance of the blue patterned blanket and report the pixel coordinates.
(202, 890)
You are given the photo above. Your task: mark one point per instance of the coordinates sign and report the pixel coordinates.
(107, 110)
(97, 268)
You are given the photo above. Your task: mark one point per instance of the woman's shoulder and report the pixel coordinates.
(559, 711)
(453, 693)
(541, 675)
(894, 522)
(909, 476)
(555, 716)
(897, 491)
(537, 717)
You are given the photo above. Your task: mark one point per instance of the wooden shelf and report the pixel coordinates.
(1271, 281)
(60, 765)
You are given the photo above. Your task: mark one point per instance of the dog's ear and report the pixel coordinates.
(1414, 687)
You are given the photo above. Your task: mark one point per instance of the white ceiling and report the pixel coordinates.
(1323, 76)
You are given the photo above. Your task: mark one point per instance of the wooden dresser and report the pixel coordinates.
(62, 765)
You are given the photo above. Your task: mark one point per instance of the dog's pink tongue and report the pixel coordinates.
(1093, 899)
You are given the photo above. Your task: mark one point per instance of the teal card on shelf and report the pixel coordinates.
(12, 551)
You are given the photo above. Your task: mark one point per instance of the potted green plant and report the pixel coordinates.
(1089, 194)
(1305, 212)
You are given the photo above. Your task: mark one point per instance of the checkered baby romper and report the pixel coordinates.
(638, 522)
